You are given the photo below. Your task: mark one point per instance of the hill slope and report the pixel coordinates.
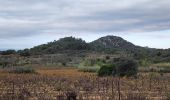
(73, 44)
(64, 44)
(112, 42)
(108, 45)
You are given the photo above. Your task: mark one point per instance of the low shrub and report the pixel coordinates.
(107, 57)
(71, 95)
(127, 67)
(120, 67)
(107, 70)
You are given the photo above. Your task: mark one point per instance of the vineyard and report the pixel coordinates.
(69, 84)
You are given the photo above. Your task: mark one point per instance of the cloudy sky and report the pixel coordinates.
(27, 23)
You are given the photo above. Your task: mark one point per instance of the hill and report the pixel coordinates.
(74, 50)
(103, 44)
(112, 42)
(108, 45)
(62, 45)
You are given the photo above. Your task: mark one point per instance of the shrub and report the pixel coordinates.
(107, 57)
(127, 67)
(71, 95)
(103, 61)
(120, 67)
(107, 70)
(22, 70)
(64, 64)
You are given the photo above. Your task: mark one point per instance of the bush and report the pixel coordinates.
(71, 95)
(64, 64)
(107, 70)
(22, 70)
(127, 67)
(107, 57)
(120, 67)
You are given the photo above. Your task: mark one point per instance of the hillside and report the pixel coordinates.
(63, 44)
(112, 42)
(112, 45)
(103, 44)
(108, 45)
(74, 50)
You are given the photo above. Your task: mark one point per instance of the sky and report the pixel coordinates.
(27, 23)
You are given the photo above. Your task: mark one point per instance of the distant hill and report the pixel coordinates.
(63, 44)
(108, 44)
(70, 43)
(112, 43)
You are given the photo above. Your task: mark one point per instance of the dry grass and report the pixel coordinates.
(70, 72)
(161, 65)
(50, 84)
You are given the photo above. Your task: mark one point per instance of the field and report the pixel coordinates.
(70, 84)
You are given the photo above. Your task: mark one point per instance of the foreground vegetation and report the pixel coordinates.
(70, 84)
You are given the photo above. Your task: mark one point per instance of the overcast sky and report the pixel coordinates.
(27, 23)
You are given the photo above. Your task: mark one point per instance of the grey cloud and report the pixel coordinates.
(29, 17)
(141, 17)
(16, 28)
